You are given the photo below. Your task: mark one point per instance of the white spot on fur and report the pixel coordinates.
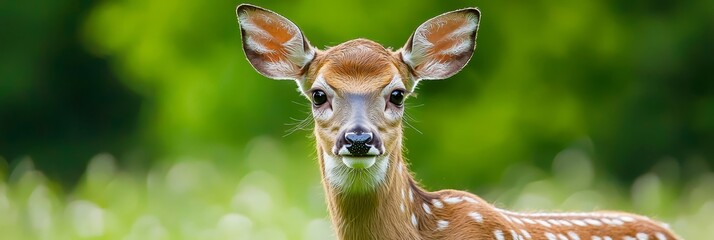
(554, 222)
(476, 217)
(607, 221)
(616, 219)
(565, 222)
(660, 236)
(544, 223)
(596, 238)
(550, 236)
(452, 200)
(498, 234)
(642, 236)
(526, 234)
(441, 225)
(562, 237)
(515, 219)
(414, 220)
(627, 219)
(573, 235)
(514, 235)
(401, 206)
(606, 238)
(411, 195)
(528, 220)
(403, 197)
(628, 238)
(579, 223)
(506, 217)
(426, 207)
(471, 200)
(593, 222)
(437, 203)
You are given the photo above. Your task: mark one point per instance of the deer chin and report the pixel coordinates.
(355, 174)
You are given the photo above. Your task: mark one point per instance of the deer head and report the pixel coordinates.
(358, 88)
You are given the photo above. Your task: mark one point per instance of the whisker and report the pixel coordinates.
(299, 124)
(407, 119)
(297, 121)
(301, 104)
(412, 127)
(414, 106)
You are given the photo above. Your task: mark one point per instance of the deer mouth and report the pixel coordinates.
(362, 161)
(359, 162)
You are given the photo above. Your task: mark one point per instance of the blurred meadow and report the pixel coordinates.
(131, 119)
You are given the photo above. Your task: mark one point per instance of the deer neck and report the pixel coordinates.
(384, 213)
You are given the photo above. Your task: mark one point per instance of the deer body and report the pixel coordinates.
(357, 90)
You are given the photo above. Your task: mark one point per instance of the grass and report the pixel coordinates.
(264, 197)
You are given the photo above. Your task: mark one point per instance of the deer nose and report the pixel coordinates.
(358, 138)
(358, 143)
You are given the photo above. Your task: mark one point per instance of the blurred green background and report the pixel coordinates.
(131, 119)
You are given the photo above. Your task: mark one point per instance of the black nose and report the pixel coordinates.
(358, 143)
(358, 138)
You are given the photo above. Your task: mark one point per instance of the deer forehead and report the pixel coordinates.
(360, 66)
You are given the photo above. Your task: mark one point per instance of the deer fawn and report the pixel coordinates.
(357, 90)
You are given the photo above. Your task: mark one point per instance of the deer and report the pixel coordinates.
(357, 91)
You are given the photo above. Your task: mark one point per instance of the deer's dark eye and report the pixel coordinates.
(319, 97)
(397, 97)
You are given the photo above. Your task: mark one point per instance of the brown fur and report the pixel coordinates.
(360, 65)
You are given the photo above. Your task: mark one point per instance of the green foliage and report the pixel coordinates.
(569, 105)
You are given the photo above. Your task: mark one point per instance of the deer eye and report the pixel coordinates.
(397, 97)
(319, 97)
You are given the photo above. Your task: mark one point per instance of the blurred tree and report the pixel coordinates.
(632, 78)
(58, 103)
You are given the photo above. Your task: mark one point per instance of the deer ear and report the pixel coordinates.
(441, 46)
(274, 45)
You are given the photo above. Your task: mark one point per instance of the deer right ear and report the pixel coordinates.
(274, 45)
(442, 46)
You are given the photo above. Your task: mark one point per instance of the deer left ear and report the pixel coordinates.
(274, 45)
(441, 46)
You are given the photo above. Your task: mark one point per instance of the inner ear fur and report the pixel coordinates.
(274, 45)
(443, 45)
